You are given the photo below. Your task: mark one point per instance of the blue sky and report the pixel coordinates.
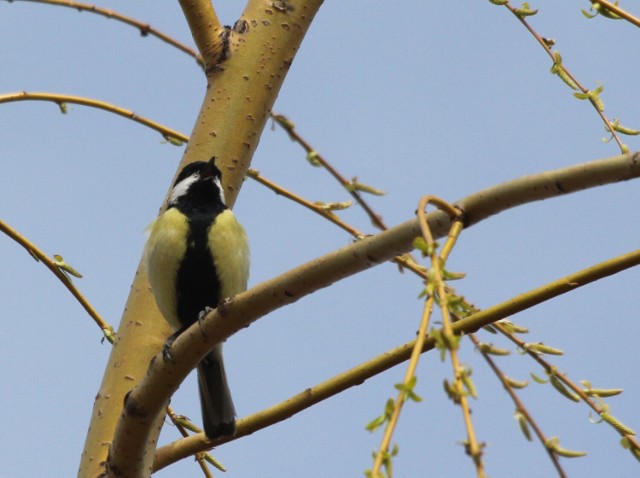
(413, 98)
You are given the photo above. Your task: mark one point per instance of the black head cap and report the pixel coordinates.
(205, 169)
(198, 187)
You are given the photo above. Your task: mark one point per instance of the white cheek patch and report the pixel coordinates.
(220, 190)
(181, 188)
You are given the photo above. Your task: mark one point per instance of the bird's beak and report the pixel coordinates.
(208, 170)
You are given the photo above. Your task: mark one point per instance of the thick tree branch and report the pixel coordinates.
(205, 28)
(242, 85)
(149, 397)
(550, 184)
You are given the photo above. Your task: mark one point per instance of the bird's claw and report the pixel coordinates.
(203, 313)
(166, 349)
(166, 352)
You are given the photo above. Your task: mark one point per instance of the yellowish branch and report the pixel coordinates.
(182, 423)
(206, 30)
(450, 341)
(382, 455)
(61, 100)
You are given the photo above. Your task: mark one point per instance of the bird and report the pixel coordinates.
(197, 255)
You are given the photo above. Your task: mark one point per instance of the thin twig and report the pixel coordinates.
(289, 127)
(179, 421)
(544, 44)
(520, 406)
(253, 174)
(145, 28)
(61, 100)
(36, 252)
(107, 329)
(450, 340)
(382, 455)
(618, 11)
(551, 370)
(404, 260)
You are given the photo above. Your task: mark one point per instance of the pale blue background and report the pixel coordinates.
(411, 97)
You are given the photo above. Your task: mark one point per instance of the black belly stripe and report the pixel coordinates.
(197, 283)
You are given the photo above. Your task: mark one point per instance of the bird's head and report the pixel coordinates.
(198, 187)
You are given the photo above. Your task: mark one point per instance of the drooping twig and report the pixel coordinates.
(434, 286)
(520, 408)
(566, 75)
(569, 384)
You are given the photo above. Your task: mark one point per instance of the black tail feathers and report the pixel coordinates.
(218, 412)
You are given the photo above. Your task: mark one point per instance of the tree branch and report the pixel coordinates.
(61, 100)
(357, 375)
(559, 182)
(205, 28)
(54, 267)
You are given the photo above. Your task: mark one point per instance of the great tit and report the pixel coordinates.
(197, 255)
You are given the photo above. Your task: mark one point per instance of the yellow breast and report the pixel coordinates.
(164, 251)
(230, 250)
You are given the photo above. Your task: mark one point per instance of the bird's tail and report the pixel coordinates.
(218, 412)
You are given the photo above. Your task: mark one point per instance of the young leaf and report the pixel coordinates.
(523, 424)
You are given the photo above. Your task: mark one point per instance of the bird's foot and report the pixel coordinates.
(166, 352)
(166, 349)
(203, 313)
